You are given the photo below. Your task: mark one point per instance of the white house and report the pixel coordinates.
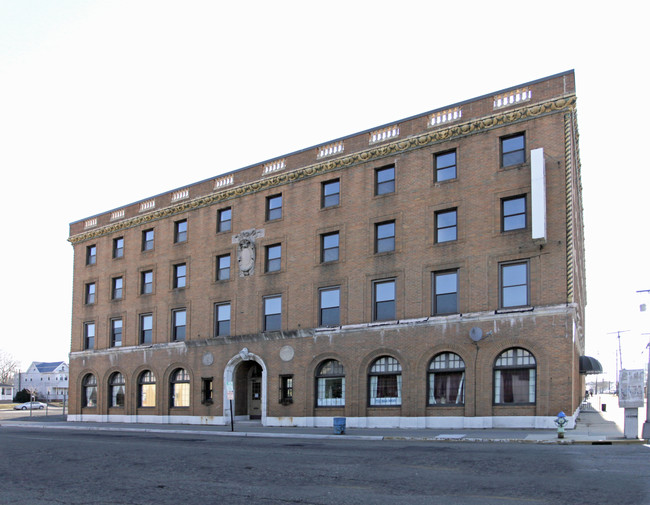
(48, 380)
(6, 392)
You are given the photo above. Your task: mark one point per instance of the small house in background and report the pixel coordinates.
(6, 392)
(48, 379)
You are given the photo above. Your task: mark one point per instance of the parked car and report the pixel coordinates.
(34, 406)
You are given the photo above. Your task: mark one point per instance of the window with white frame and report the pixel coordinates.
(147, 389)
(515, 377)
(447, 379)
(180, 388)
(385, 381)
(116, 386)
(89, 391)
(330, 384)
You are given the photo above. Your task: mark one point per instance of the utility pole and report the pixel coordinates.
(645, 432)
(619, 361)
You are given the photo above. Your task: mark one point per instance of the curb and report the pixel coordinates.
(316, 436)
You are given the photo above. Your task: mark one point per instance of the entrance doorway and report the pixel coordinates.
(249, 390)
(255, 392)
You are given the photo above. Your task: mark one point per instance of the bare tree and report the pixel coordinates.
(9, 366)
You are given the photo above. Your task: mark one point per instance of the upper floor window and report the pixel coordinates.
(222, 319)
(273, 258)
(446, 225)
(330, 247)
(146, 328)
(385, 180)
(146, 286)
(330, 384)
(272, 313)
(384, 300)
(179, 323)
(513, 213)
(89, 335)
(445, 166)
(385, 237)
(180, 231)
(515, 377)
(385, 382)
(330, 306)
(445, 292)
(118, 247)
(90, 293)
(91, 255)
(513, 150)
(147, 240)
(447, 379)
(116, 288)
(224, 219)
(273, 207)
(330, 193)
(180, 275)
(514, 284)
(116, 332)
(223, 267)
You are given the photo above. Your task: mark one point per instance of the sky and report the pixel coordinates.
(107, 103)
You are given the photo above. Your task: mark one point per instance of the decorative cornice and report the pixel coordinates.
(389, 149)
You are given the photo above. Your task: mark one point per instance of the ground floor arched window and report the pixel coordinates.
(180, 388)
(330, 384)
(147, 389)
(89, 391)
(515, 377)
(447, 379)
(116, 387)
(385, 379)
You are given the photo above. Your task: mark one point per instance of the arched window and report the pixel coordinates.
(385, 378)
(89, 390)
(147, 389)
(180, 388)
(515, 377)
(330, 384)
(116, 390)
(447, 379)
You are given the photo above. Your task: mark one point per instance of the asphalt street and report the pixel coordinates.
(45, 466)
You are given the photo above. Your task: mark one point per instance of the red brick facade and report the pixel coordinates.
(522, 292)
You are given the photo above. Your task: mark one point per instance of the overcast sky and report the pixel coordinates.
(106, 103)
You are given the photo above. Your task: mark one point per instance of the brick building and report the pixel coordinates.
(425, 273)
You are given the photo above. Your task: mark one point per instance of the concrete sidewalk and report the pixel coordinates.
(593, 427)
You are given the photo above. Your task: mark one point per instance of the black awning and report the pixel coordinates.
(589, 365)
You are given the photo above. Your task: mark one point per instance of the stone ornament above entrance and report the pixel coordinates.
(245, 241)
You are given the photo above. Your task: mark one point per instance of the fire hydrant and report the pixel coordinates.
(560, 421)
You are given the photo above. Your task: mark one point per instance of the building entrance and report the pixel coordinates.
(248, 379)
(255, 392)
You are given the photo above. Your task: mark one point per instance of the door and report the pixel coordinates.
(255, 392)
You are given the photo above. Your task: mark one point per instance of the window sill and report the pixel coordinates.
(514, 310)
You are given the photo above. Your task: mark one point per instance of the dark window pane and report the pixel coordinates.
(385, 180)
